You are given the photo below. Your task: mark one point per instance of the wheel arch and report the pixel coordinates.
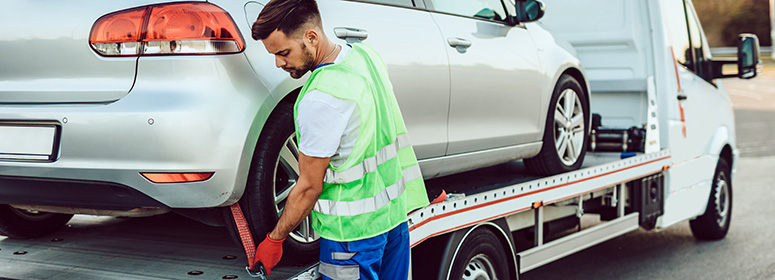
(571, 68)
(267, 111)
(728, 155)
(720, 146)
(579, 76)
(499, 228)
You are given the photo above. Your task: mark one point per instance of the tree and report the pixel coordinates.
(748, 16)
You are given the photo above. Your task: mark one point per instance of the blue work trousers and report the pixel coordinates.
(385, 256)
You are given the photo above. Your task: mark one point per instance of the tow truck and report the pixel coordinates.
(662, 150)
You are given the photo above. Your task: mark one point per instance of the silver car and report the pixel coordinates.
(138, 108)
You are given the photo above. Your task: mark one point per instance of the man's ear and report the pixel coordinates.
(312, 37)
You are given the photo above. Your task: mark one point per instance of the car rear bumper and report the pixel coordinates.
(199, 114)
(79, 194)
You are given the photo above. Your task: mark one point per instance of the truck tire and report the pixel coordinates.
(18, 223)
(273, 171)
(714, 223)
(480, 257)
(566, 130)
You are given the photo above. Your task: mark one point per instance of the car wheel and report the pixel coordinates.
(480, 258)
(714, 223)
(565, 132)
(18, 223)
(273, 172)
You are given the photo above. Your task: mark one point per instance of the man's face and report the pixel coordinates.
(290, 54)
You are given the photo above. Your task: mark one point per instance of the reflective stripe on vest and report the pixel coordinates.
(370, 204)
(369, 164)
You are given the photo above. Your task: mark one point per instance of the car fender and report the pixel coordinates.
(557, 57)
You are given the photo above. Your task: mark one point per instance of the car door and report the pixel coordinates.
(407, 39)
(495, 96)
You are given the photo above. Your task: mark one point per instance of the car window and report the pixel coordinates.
(675, 19)
(484, 9)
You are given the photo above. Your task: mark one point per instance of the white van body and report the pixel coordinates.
(628, 50)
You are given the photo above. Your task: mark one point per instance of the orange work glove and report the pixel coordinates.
(269, 253)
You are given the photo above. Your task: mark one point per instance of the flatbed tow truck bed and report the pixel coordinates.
(172, 247)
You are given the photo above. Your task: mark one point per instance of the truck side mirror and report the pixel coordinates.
(748, 63)
(529, 10)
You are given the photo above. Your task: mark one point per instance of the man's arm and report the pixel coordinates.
(303, 196)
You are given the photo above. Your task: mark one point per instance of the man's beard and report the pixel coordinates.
(308, 60)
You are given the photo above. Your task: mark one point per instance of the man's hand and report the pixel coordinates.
(300, 202)
(269, 253)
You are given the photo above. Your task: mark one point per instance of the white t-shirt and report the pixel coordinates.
(328, 126)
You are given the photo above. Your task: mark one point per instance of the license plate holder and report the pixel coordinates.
(29, 141)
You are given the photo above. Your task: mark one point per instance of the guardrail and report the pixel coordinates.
(765, 51)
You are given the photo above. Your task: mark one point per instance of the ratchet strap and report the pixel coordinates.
(244, 232)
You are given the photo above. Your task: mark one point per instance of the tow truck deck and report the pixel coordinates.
(520, 200)
(116, 248)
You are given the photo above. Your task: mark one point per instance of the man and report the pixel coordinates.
(358, 175)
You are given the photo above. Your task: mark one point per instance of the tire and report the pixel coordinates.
(481, 257)
(17, 223)
(566, 130)
(714, 223)
(273, 171)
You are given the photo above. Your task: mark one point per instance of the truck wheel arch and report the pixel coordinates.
(719, 146)
(498, 227)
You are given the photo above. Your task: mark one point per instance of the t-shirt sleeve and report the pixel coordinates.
(321, 126)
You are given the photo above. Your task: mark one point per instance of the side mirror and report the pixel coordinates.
(529, 10)
(748, 63)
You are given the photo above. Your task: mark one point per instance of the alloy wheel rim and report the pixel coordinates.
(479, 268)
(569, 127)
(285, 176)
(722, 199)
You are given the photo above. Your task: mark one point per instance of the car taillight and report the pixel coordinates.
(166, 29)
(163, 178)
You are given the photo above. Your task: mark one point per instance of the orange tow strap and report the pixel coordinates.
(244, 232)
(247, 241)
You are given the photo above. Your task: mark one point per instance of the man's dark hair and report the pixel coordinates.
(288, 16)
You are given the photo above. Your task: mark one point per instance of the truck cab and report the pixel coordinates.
(636, 52)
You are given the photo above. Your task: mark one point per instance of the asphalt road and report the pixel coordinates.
(748, 251)
(172, 247)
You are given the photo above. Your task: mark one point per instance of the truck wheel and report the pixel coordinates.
(481, 257)
(566, 131)
(18, 223)
(274, 170)
(714, 223)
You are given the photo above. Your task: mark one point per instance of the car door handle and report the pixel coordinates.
(458, 42)
(682, 96)
(351, 35)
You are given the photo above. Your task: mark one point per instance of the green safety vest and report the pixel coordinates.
(380, 182)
